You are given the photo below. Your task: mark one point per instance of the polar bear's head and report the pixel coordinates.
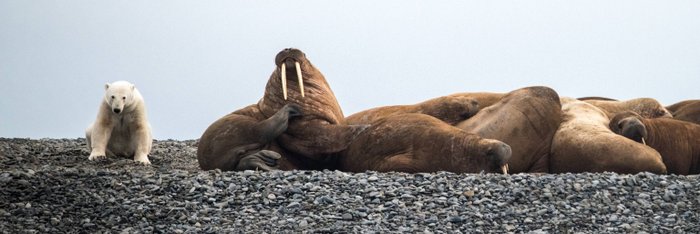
(118, 95)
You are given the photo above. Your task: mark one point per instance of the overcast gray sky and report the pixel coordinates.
(195, 61)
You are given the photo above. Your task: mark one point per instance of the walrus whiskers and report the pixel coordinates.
(284, 80)
(301, 81)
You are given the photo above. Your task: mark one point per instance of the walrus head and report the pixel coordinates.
(629, 124)
(296, 80)
(498, 154)
(649, 108)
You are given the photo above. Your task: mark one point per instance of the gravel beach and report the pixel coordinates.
(48, 185)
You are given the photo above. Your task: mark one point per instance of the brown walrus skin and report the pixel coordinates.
(647, 107)
(526, 119)
(585, 143)
(240, 140)
(322, 130)
(688, 110)
(485, 99)
(680, 105)
(677, 141)
(422, 143)
(451, 110)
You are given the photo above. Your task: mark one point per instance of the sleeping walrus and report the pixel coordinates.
(449, 109)
(298, 119)
(677, 141)
(584, 143)
(526, 119)
(421, 138)
(421, 143)
(680, 105)
(688, 110)
(647, 107)
(485, 99)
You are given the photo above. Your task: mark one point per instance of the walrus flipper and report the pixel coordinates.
(270, 128)
(264, 160)
(325, 138)
(266, 131)
(242, 134)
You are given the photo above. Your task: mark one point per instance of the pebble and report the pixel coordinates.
(303, 223)
(455, 219)
(469, 193)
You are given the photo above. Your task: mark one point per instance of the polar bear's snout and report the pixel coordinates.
(118, 104)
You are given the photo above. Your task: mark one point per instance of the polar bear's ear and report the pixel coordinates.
(132, 87)
(106, 86)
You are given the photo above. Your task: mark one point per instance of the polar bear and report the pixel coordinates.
(121, 127)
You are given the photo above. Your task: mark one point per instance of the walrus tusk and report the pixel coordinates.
(504, 169)
(643, 141)
(284, 80)
(301, 81)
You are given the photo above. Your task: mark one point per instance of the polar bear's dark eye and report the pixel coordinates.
(112, 97)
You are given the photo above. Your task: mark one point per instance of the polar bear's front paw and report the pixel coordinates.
(143, 160)
(97, 156)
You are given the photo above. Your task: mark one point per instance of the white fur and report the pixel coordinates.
(125, 133)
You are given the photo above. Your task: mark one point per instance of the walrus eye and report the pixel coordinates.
(123, 98)
(112, 96)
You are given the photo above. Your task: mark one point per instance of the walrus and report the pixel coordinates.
(297, 124)
(585, 143)
(321, 130)
(449, 109)
(688, 110)
(647, 107)
(677, 141)
(526, 119)
(484, 99)
(414, 142)
(680, 105)
(241, 140)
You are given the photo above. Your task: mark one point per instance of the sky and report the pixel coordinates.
(195, 61)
